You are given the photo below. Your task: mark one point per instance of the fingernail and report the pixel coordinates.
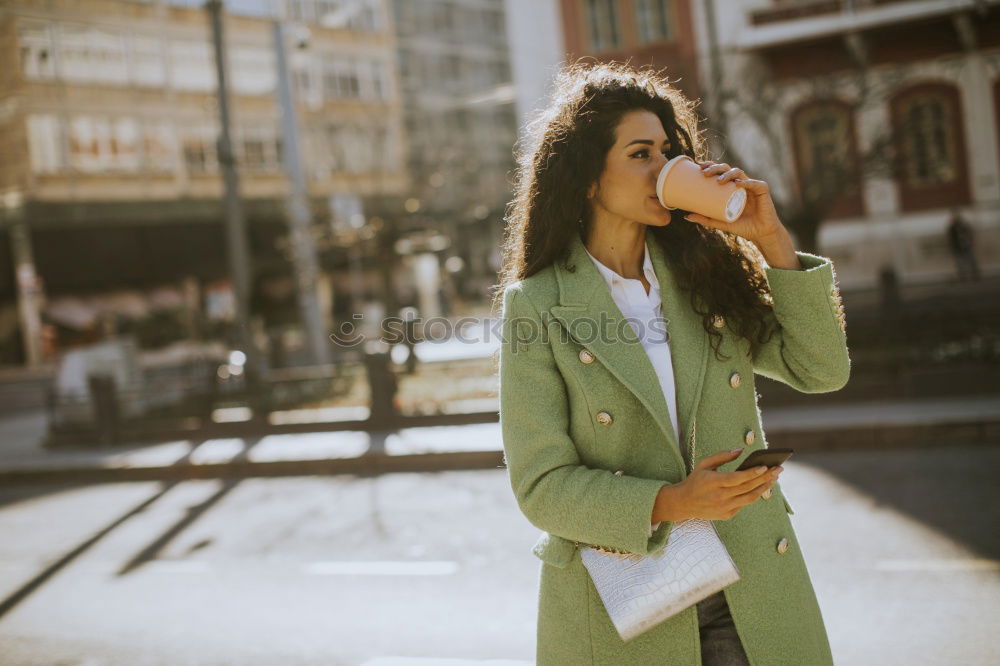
(762, 469)
(735, 450)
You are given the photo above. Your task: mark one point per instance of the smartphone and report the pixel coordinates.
(769, 457)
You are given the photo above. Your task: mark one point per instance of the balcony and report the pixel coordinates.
(813, 20)
(821, 37)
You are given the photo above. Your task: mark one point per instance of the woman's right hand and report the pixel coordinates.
(712, 495)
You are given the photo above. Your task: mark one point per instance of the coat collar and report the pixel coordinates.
(585, 302)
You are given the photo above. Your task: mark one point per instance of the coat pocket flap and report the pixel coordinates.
(554, 550)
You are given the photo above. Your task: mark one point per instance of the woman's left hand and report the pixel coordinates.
(759, 221)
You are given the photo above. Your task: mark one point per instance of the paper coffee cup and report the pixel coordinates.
(681, 184)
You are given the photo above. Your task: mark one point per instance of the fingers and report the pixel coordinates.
(748, 478)
(713, 461)
(725, 173)
(758, 481)
(754, 494)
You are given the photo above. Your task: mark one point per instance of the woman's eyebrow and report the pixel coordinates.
(647, 142)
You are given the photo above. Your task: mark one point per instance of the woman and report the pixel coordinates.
(612, 433)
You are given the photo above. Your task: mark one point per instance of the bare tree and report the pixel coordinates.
(759, 100)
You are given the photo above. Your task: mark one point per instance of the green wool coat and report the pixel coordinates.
(584, 480)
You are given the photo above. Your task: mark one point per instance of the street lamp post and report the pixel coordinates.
(236, 237)
(305, 265)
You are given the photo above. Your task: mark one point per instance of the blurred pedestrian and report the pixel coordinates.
(409, 317)
(961, 241)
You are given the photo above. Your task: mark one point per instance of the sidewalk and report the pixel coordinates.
(942, 422)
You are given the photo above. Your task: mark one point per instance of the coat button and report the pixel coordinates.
(748, 437)
(604, 418)
(735, 379)
(782, 546)
(718, 321)
(767, 493)
(586, 356)
(619, 472)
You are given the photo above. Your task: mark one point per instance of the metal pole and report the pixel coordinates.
(299, 217)
(715, 69)
(236, 237)
(29, 292)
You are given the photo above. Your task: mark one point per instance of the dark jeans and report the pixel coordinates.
(720, 645)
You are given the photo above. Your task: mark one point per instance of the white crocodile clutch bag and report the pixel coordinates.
(639, 591)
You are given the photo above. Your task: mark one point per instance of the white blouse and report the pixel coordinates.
(644, 314)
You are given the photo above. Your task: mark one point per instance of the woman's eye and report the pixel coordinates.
(645, 153)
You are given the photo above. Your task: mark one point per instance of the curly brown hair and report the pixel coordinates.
(563, 151)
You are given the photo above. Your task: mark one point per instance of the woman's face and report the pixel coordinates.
(626, 189)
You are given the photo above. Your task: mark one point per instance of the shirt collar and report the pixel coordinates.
(610, 276)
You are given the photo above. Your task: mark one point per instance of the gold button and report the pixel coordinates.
(735, 379)
(586, 356)
(718, 321)
(767, 493)
(782, 545)
(748, 437)
(604, 418)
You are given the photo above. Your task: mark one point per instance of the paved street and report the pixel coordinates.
(434, 568)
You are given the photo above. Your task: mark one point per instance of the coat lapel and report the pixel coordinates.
(585, 302)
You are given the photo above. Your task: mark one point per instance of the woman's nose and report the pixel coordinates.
(655, 167)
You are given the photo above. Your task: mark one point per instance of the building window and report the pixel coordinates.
(340, 79)
(259, 148)
(826, 157)
(146, 64)
(823, 136)
(198, 144)
(602, 24)
(654, 20)
(101, 144)
(37, 52)
(377, 81)
(192, 66)
(930, 147)
(158, 147)
(45, 143)
(358, 148)
(92, 55)
(928, 141)
(493, 23)
(302, 10)
(125, 144)
(355, 15)
(254, 71)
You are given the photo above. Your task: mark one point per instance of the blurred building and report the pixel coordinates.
(900, 96)
(536, 52)
(642, 32)
(110, 189)
(461, 120)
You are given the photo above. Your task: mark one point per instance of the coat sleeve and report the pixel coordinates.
(554, 490)
(808, 349)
